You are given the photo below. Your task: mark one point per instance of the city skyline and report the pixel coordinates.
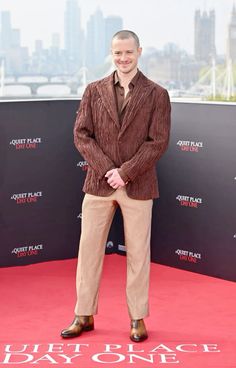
(78, 52)
(167, 24)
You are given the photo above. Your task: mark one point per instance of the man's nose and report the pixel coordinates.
(123, 57)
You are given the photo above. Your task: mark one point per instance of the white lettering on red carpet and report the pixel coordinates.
(72, 353)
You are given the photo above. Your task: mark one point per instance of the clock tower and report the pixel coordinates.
(231, 41)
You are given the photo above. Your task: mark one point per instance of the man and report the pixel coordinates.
(122, 130)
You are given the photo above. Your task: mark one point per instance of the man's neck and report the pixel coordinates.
(124, 78)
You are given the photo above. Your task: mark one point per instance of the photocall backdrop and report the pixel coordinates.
(42, 174)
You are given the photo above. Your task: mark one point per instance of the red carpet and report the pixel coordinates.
(192, 321)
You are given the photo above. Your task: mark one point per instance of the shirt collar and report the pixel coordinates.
(133, 80)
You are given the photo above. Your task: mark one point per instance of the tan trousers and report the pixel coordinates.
(97, 215)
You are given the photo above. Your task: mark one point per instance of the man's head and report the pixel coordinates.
(125, 49)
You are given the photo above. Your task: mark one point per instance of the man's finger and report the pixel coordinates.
(109, 173)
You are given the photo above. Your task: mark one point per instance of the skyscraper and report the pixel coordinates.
(99, 33)
(55, 41)
(95, 40)
(231, 39)
(15, 56)
(204, 34)
(6, 30)
(15, 38)
(113, 24)
(74, 43)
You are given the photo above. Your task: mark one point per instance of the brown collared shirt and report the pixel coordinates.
(122, 100)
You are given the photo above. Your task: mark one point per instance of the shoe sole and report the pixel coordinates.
(139, 339)
(84, 329)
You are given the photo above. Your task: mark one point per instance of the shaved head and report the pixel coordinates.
(125, 34)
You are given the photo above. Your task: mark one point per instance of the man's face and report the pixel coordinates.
(125, 54)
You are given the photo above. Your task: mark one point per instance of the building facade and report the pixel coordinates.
(73, 35)
(204, 36)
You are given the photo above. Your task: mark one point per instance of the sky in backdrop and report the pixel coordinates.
(157, 22)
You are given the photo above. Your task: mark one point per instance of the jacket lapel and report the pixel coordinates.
(107, 94)
(140, 94)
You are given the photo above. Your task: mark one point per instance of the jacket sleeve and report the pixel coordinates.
(84, 138)
(156, 144)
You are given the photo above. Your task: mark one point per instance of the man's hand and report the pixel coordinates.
(114, 179)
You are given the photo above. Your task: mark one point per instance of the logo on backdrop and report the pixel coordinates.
(83, 165)
(79, 216)
(187, 201)
(25, 143)
(122, 247)
(187, 256)
(190, 146)
(23, 198)
(110, 244)
(27, 251)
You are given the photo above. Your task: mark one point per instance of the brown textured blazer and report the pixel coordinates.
(135, 147)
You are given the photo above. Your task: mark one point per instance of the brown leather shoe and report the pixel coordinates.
(80, 324)
(138, 331)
